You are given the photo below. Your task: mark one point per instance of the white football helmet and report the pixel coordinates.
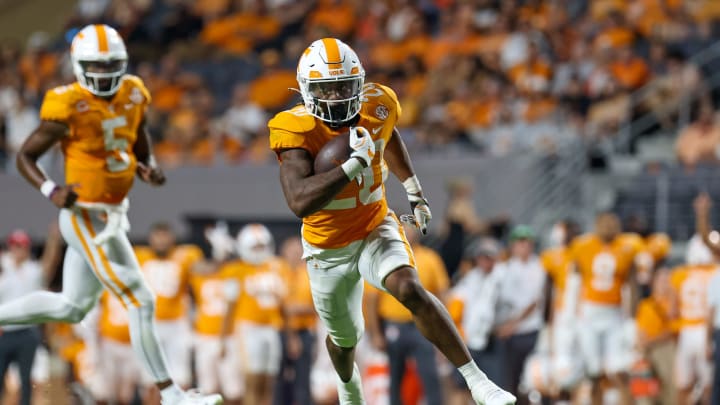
(99, 44)
(331, 81)
(255, 244)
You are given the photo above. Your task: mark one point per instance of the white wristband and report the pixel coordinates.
(412, 185)
(47, 188)
(352, 167)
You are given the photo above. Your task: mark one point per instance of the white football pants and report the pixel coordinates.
(86, 270)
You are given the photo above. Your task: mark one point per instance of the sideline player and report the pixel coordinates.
(605, 262)
(257, 311)
(217, 359)
(166, 267)
(348, 231)
(100, 122)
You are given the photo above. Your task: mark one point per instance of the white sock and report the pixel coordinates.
(472, 374)
(350, 393)
(171, 394)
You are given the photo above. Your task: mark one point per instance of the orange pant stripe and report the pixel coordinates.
(108, 268)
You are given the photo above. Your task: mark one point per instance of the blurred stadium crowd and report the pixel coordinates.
(494, 76)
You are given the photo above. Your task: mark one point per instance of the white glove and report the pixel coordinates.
(421, 210)
(362, 145)
(221, 243)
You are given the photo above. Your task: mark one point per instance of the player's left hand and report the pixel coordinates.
(151, 174)
(421, 210)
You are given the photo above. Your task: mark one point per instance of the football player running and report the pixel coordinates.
(99, 121)
(348, 231)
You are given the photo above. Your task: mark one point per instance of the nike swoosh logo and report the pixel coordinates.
(376, 130)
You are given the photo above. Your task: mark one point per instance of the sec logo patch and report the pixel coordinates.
(82, 106)
(381, 112)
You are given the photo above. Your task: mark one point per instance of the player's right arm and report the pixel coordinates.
(304, 191)
(42, 139)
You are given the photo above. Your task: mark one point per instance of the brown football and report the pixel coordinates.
(334, 153)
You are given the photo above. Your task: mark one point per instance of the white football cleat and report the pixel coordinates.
(487, 393)
(195, 398)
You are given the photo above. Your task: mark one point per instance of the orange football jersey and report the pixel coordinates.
(690, 283)
(263, 289)
(210, 302)
(658, 245)
(357, 209)
(653, 317)
(99, 146)
(604, 268)
(557, 262)
(114, 322)
(168, 278)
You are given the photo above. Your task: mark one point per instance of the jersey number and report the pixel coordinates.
(692, 296)
(366, 195)
(212, 298)
(119, 159)
(163, 277)
(603, 268)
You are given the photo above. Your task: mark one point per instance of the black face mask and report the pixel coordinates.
(94, 71)
(343, 124)
(334, 112)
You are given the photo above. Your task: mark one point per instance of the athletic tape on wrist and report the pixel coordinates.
(352, 167)
(47, 188)
(412, 185)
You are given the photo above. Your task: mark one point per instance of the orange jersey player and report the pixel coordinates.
(166, 267)
(217, 358)
(258, 309)
(99, 122)
(604, 261)
(690, 292)
(348, 231)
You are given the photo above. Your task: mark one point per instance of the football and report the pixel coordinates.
(334, 153)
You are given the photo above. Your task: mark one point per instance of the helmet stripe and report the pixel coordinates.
(332, 50)
(102, 38)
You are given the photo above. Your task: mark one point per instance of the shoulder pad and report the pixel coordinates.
(376, 93)
(296, 120)
(288, 129)
(190, 252)
(60, 102)
(137, 83)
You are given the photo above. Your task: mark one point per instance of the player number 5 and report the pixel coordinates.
(119, 159)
